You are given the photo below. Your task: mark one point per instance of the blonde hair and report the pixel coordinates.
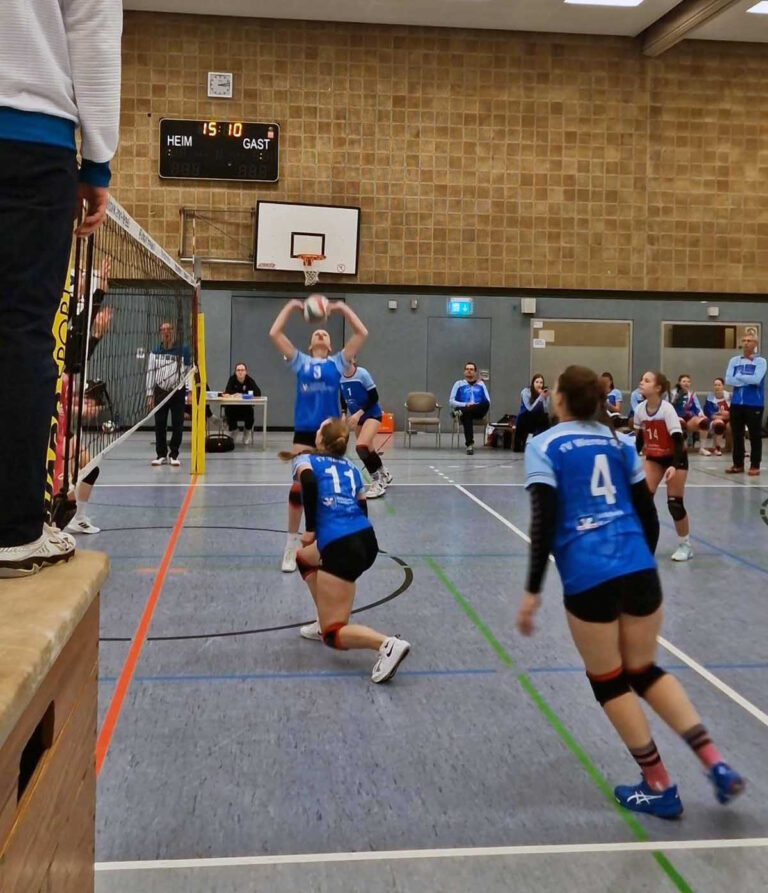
(334, 436)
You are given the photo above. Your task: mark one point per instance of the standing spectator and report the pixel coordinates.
(167, 371)
(533, 415)
(240, 382)
(469, 400)
(746, 375)
(59, 70)
(717, 408)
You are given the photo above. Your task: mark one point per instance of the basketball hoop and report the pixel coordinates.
(310, 276)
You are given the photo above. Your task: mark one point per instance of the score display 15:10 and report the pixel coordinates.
(234, 128)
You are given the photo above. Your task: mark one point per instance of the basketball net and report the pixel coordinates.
(310, 276)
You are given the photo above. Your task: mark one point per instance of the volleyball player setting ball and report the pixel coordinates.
(318, 374)
(661, 440)
(360, 399)
(338, 546)
(589, 497)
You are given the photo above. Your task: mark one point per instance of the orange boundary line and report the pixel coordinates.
(140, 637)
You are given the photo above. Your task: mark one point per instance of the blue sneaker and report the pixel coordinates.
(641, 798)
(728, 783)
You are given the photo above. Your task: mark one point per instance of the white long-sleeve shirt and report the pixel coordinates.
(61, 58)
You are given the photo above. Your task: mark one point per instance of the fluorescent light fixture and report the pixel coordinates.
(760, 8)
(606, 2)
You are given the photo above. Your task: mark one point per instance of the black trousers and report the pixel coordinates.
(38, 186)
(752, 418)
(468, 415)
(529, 423)
(237, 414)
(175, 406)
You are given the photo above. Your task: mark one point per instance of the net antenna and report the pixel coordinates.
(310, 276)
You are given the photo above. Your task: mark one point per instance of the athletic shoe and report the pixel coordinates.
(384, 476)
(735, 469)
(161, 460)
(717, 451)
(728, 783)
(682, 553)
(51, 547)
(82, 525)
(175, 462)
(311, 631)
(703, 451)
(753, 472)
(471, 449)
(247, 437)
(375, 490)
(392, 653)
(289, 556)
(642, 798)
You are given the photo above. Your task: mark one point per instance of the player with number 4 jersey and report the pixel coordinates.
(591, 508)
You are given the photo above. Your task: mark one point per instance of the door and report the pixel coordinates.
(452, 342)
(252, 318)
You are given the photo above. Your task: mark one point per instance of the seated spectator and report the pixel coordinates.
(613, 396)
(533, 415)
(717, 408)
(469, 400)
(688, 408)
(240, 382)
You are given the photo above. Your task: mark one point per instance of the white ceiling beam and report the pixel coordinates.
(673, 27)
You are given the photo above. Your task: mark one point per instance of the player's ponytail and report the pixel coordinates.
(584, 395)
(334, 436)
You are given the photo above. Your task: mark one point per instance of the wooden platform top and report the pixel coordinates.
(38, 615)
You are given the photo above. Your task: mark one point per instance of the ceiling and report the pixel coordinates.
(507, 15)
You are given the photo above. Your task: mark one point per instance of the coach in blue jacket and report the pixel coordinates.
(469, 401)
(746, 375)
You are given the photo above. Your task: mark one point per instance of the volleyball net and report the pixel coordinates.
(129, 344)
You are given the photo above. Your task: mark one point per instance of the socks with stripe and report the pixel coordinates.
(701, 744)
(649, 761)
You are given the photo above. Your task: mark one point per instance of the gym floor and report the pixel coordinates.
(243, 758)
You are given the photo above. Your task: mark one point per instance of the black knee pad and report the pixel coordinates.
(363, 452)
(294, 496)
(676, 508)
(642, 680)
(331, 636)
(611, 685)
(92, 476)
(718, 426)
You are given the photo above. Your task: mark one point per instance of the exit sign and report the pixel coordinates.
(460, 307)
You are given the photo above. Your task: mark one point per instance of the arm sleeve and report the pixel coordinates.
(646, 512)
(372, 398)
(342, 401)
(542, 531)
(295, 362)
(485, 391)
(452, 399)
(94, 29)
(753, 377)
(363, 503)
(729, 373)
(639, 441)
(230, 388)
(252, 386)
(678, 444)
(525, 398)
(309, 497)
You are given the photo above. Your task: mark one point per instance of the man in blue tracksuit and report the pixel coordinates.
(746, 375)
(469, 400)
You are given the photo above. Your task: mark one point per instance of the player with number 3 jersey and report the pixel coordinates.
(591, 508)
(661, 441)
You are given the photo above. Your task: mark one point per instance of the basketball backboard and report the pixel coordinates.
(285, 230)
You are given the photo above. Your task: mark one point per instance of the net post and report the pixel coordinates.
(198, 394)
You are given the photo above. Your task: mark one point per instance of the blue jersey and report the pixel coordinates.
(355, 389)
(614, 397)
(635, 399)
(317, 389)
(598, 535)
(530, 404)
(747, 377)
(464, 392)
(338, 486)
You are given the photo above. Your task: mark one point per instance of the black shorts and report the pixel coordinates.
(637, 594)
(304, 438)
(668, 461)
(350, 556)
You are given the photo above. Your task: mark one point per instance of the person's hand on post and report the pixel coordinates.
(529, 605)
(95, 199)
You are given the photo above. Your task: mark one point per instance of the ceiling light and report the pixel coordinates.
(760, 8)
(609, 2)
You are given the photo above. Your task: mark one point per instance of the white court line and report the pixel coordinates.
(401, 483)
(459, 852)
(668, 646)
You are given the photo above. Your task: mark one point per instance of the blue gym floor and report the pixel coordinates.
(248, 759)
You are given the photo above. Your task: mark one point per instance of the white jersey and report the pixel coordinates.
(657, 428)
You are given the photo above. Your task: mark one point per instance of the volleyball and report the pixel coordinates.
(315, 308)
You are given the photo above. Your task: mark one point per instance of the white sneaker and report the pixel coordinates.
(375, 490)
(247, 437)
(161, 460)
(392, 653)
(682, 553)
(175, 463)
(289, 555)
(384, 476)
(82, 525)
(703, 451)
(51, 547)
(311, 631)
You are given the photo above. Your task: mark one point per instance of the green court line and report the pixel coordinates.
(565, 736)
